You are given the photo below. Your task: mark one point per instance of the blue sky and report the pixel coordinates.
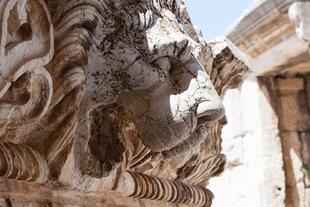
(214, 17)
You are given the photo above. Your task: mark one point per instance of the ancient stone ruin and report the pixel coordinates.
(110, 103)
(267, 138)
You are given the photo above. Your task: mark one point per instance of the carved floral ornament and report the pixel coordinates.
(114, 96)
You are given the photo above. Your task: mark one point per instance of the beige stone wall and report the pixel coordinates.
(250, 140)
(267, 143)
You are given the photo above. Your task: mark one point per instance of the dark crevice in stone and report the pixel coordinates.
(105, 147)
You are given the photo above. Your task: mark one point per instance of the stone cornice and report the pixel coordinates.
(266, 34)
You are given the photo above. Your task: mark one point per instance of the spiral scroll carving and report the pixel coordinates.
(25, 85)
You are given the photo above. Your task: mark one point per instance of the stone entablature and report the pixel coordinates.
(110, 103)
(268, 36)
(262, 26)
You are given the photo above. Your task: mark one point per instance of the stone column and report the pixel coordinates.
(299, 14)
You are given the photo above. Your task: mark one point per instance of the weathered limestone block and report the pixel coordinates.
(256, 166)
(290, 85)
(307, 197)
(293, 114)
(293, 105)
(307, 88)
(110, 103)
(292, 155)
(305, 140)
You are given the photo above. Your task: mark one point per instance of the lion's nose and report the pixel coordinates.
(209, 111)
(209, 107)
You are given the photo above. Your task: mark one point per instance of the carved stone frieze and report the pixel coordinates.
(118, 100)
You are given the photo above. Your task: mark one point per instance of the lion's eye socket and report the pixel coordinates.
(163, 63)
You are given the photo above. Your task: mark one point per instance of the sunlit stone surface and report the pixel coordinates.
(110, 103)
(267, 139)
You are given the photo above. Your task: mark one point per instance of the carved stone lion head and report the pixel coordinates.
(141, 59)
(111, 56)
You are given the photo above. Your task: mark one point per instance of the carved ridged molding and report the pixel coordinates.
(23, 163)
(138, 185)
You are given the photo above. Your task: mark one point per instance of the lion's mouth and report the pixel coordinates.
(191, 143)
(206, 113)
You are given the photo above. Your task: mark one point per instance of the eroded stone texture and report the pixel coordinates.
(294, 125)
(293, 104)
(110, 103)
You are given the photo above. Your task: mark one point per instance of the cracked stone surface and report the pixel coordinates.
(110, 103)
